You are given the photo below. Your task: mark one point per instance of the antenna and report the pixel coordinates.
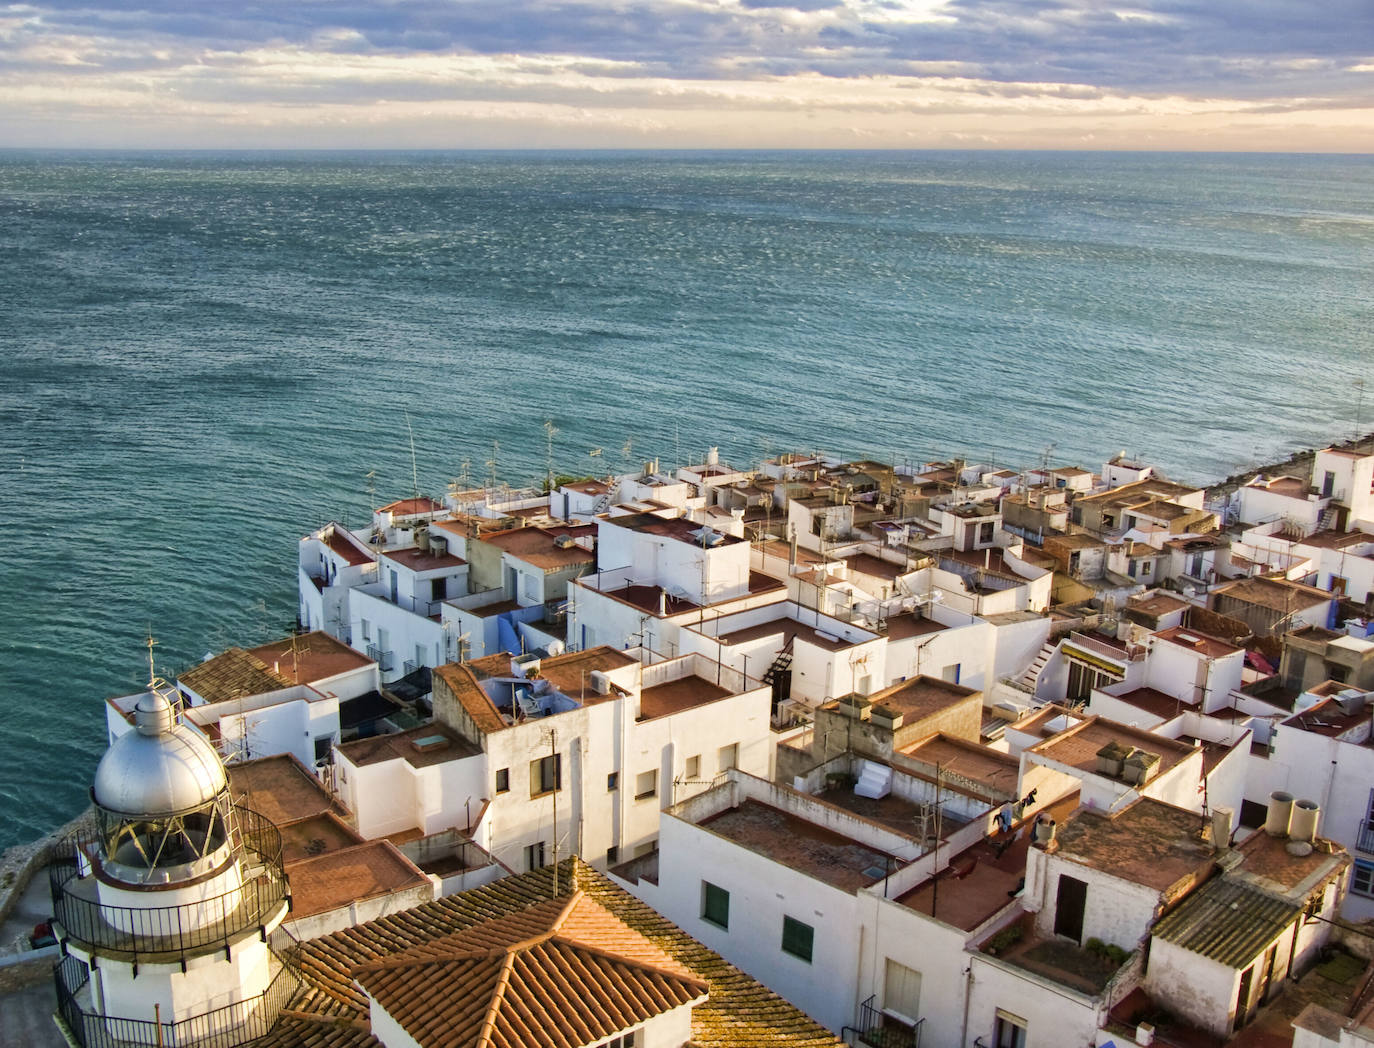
(550, 430)
(492, 465)
(371, 477)
(414, 473)
(1359, 407)
(152, 674)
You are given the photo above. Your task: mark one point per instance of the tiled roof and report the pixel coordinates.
(1227, 921)
(740, 1012)
(232, 674)
(559, 974)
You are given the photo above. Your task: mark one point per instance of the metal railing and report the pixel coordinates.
(133, 933)
(229, 1026)
(380, 657)
(1364, 841)
(880, 1029)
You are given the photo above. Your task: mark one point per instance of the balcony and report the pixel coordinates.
(240, 1023)
(1364, 840)
(170, 933)
(384, 659)
(884, 1028)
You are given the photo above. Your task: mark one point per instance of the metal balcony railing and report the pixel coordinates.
(884, 1029)
(232, 1025)
(1364, 841)
(157, 932)
(383, 659)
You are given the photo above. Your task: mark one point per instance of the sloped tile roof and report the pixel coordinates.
(739, 1012)
(550, 976)
(1227, 921)
(232, 674)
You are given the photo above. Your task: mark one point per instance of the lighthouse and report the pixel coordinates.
(166, 910)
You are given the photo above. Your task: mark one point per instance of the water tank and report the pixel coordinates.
(1303, 825)
(1280, 811)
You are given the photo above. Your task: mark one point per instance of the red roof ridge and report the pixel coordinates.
(498, 996)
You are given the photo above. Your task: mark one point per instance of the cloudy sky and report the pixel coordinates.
(1273, 75)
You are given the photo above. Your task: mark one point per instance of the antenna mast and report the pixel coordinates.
(550, 430)
(414, 472)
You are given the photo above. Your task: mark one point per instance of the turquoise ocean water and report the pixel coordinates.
(203, 354)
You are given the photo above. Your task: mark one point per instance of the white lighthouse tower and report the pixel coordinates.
(165, 911)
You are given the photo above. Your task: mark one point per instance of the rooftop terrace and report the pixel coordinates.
(802, 846)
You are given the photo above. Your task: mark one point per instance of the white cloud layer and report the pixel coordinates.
(1160, 74)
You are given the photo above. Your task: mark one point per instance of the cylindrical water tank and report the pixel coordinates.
(1280, 811)
(1303, 825)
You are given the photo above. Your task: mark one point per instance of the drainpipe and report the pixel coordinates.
(968, 993)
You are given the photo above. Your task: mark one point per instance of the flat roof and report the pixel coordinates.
(994, 769)
(279, 788)
(1267, 863)
(364, 871)
(920, 697)
(911, 624)
(307, 838)
(1196, 640)
(1165, 707)
(311, 657)
(1157, 604)
(662, 700)
(790, 629)
(539, 546)
(1328, 718)
(346, 545)
(416, 559)
(1275, 594)
(571, 672)
(1148, 842)
(1078, 746)
(410, 507)
(420, 747)
(800, 845)
(679, 528)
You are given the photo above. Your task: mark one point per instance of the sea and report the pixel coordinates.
(204, 355)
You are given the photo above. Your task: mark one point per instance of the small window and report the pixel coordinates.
(534, 856)
(612, 855)
(367, 629)
(646, 785)
(728, 757)
(613, 781)
(1011, 1032)
(986, 531)
(502, 780)
(715, 905)
(797, 938)
(692, 769)
(324, 749)
(1145, 566)
(1362, 879)
(624, 1040)
(546, 775)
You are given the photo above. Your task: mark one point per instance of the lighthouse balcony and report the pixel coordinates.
(170, 923)
(236, 1023)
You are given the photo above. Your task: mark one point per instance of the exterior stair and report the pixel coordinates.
(875, 780)
(1328, 520)
(1031, 676)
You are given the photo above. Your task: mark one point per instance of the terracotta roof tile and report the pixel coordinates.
(232, 674)
(739, 1013)
(558, 974)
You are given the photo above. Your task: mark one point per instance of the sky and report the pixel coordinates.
(1263, 75)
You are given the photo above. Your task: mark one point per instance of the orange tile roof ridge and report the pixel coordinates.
(486, 1035)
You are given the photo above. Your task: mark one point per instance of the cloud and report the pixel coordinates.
(1175, 58)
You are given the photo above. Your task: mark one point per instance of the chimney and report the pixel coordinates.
(1279, 814)
(1221, 828)
(1303, 824)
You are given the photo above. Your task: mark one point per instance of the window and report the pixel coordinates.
(1130, 520)
(797, 938)
(715, 905)
(728, 757)
(546, 774)
(612, 855)
(367, 630)
(624, 1040)
(1130, 569)
(502, 780)
(902, 991)
(986, 532)
(951, 673)
(1011, 1031)
(646, 785)
(529, 586)
(324, 748)
(692, 769)
(1145, 567)
(613, 781)
(534, 856)
(1362, 879)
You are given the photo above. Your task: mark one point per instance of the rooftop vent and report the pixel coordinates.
(565, 542)
(1111, 758)
(1140, 767)
(429, 743)
(1280, 812)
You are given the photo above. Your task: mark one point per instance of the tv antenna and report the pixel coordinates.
(414, 472)
(550, 431)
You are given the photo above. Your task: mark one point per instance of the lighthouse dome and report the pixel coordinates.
(160, 768)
